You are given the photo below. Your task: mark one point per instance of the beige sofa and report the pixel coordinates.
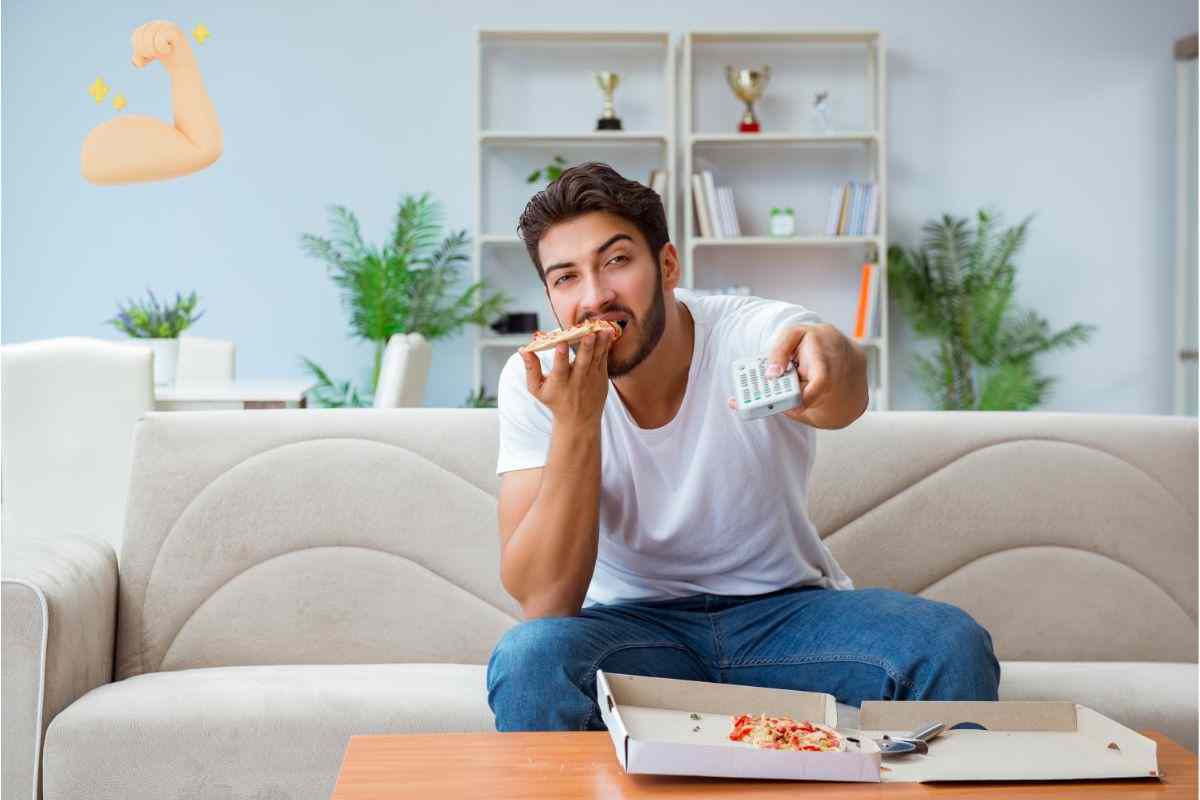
(290, 578)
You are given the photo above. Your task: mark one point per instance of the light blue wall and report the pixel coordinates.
(1062, 108)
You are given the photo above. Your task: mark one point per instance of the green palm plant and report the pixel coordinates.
(406, 285)
(958, 288)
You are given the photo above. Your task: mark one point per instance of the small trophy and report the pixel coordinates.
(609, 121)
(748, 85)
(823, 111)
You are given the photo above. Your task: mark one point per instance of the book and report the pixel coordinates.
(728, 212)
(869, 193)
(710, 199)
(870, 325)
(864, 289)
(855, 205)
(720, 216)
(655, 180)
(701, 207)
(872, 212)
(659, 183)
(867, 317)
(835, 204)
(860, 219)
(844, 211)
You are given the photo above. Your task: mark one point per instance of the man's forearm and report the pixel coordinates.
(548, 562)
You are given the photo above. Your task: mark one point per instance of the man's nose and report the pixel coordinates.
(596, 296)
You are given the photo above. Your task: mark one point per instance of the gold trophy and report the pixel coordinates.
(609, 121)
(748, 85)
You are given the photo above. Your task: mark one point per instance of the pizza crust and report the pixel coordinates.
(546, 341)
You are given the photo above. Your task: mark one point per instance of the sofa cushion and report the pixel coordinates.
(248, 732)
(1144, 696)
(280, 732)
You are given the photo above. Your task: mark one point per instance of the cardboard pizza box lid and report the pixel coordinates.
(1027, 740)
(653, 731)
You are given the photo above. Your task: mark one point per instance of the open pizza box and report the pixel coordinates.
(654, 729)
(1018, 741)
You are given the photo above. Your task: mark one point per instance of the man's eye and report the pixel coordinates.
(559, 280)
(614, 258)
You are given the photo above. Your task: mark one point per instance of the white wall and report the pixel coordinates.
(1064, 109)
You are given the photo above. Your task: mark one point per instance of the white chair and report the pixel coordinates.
(202, 360)
(404, 371)
(69, 409)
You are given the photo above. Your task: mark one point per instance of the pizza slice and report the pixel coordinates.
(547, 341)
(785, 733)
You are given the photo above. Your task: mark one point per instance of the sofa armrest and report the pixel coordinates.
(58, 634)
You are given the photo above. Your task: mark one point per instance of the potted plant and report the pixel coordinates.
(406, 285)
(552, 171)
(480, 399)
(958, 288)
(159, 326)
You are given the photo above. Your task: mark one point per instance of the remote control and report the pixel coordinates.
(759, 396)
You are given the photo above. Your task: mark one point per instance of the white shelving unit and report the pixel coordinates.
(530, 78)
(851, 64)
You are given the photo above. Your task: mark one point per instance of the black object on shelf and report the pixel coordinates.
(518, 322)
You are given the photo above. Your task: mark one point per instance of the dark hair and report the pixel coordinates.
(589, 187)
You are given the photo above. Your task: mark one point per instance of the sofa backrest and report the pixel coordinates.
(311, 536)
(1070, 537)
(363, 536)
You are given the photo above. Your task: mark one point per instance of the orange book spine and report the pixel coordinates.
(864, 289)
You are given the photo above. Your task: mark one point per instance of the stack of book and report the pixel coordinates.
(716, 214)
(658, 182)
(853, 210)
(866, 322)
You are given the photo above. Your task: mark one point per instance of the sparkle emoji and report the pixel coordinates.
(98, 90)
(200, 33)
(119, 102)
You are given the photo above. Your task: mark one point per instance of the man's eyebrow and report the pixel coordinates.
(564, 264)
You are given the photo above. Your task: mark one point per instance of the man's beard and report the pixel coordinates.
(652, 328)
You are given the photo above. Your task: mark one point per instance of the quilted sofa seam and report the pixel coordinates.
(171, 530)
(257, 564)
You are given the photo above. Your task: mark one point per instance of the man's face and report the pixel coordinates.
(599, 266)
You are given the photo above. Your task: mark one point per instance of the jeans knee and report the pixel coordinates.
(965, 654)
(528, 647)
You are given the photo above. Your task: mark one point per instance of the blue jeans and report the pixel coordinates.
(856, 645)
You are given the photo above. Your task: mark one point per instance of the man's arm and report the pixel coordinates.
(832, 370)
(549, 516)
(549, 525)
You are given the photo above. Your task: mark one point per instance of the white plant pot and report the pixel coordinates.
(166, 354)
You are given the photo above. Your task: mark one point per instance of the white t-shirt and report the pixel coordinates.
(708, 503)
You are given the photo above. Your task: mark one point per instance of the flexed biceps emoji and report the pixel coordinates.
(132, 148)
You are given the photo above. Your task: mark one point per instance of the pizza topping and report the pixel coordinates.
(785, 733)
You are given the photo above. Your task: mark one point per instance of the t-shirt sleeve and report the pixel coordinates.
(525, 423)
(759, 321)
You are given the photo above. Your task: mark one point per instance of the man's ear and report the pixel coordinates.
(669, 264)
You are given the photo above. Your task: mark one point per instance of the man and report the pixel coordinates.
(647, 529)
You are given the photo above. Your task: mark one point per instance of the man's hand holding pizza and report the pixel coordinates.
(574, 392)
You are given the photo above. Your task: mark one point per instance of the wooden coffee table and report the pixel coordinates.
(566, 766)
